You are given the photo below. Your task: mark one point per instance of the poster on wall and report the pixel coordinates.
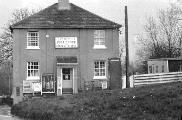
(104, 85)
(31, 86)
(48, 84)
(27, 87)
(37, 87)
(66, 42)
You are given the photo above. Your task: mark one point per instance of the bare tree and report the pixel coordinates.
(6, 50)
(163, 35)
(6, 40)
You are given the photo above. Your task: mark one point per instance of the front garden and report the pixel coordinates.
(156, 102)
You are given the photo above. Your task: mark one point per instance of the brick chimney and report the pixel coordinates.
(63, 5)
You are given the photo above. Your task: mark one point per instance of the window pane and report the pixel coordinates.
(36, 73)
(33, 39)
(96, 72)
(150, 69)
(36, 67)
(28, 73)
(156, 69)
(162, 68)
(99, 68)
(96, 64)
(102, 64)
(99, 37)
(31, 73)
(102, 43)
(102, 71)
(33, 69)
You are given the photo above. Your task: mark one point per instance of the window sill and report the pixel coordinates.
(33, 78)
(100, 77)
(99, 47)
(32, 48)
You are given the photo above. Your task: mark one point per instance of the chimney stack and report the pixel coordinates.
(63, 5)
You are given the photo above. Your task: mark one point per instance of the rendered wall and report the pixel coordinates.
(47, 53)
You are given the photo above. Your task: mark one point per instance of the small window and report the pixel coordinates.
(32, 70)
(180, 68)
(162, 68)
(66, 73)
(156, 69)
(17, 91)
(150, 69)
(99, 39)
(32, 40)
(99, 69)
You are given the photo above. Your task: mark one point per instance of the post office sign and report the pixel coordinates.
(66, 42)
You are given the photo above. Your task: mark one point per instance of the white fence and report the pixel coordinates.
(124, 82)
(147, 79)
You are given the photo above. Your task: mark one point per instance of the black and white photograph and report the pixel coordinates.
(90, 59)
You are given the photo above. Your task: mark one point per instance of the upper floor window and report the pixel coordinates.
(99, 39)
(100, 69)
(32, 70)
(32, 40)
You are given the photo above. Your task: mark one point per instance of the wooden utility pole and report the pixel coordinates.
(127, 50)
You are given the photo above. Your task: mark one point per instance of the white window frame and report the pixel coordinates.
(100, 77)
(33, 77)
(29, 37)
(99, 39)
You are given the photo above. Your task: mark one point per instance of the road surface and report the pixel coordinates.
(5, 113)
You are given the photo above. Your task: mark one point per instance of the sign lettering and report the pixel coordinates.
(66, 42)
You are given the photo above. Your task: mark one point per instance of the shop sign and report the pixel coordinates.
(66, 42)
(27, 87)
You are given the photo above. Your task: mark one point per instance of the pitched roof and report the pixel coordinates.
(76, 17)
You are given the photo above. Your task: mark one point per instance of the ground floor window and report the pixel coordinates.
(99, 69)
(32, 70)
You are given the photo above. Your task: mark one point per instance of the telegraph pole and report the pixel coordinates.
(127, 50)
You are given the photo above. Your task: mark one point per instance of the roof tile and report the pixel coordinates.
(76, 17)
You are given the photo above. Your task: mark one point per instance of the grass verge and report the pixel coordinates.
(156, 102)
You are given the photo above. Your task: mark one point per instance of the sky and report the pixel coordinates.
(113, 10)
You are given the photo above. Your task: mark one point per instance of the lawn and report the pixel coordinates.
(155, 102)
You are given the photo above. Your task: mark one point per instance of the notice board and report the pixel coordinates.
(48, 83)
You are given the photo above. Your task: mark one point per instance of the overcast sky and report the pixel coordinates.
(110, 9)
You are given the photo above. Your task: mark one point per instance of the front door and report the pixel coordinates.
(67, 80)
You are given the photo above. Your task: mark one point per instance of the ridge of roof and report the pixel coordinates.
(77, 17)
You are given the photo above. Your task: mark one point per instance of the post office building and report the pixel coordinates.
(63, 49)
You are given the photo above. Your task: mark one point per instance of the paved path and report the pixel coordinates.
(5, 113)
